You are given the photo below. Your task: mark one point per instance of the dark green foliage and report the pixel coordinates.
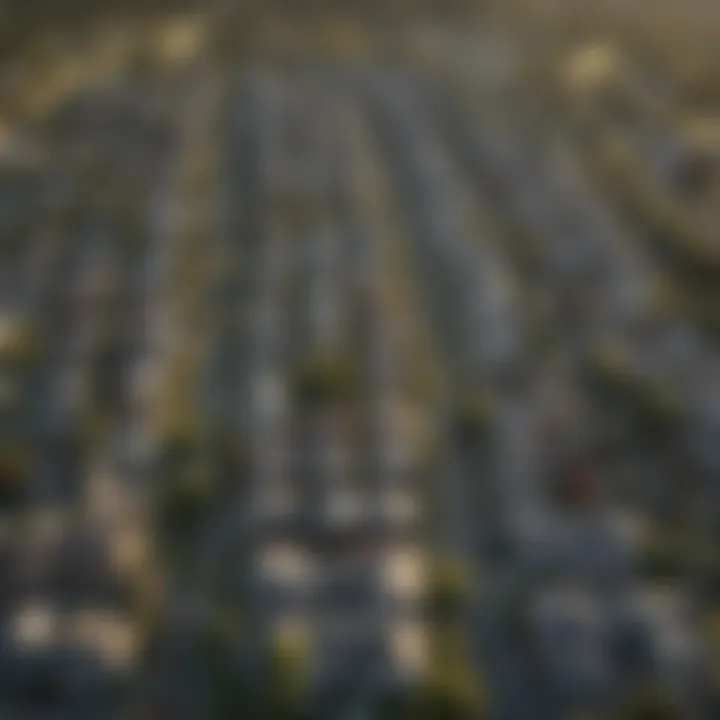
(664, 554)
(472, 419)
(15, 471)
(653, 704)
(654, 408)
(450, 693)
(448, 590)
(188, 487)
(326, 378)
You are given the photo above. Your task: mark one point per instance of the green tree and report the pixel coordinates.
(450, 692)
(448, 589)
(326, 378)
(473, 418)
(285, 693)
(15, 469)
(652, 704)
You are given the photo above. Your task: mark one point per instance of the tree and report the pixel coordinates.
(652, 704)
(654, 407)
(396, 703)
(450, 692)
(284, 694)
(663, 553)
(189, 488)
(711, 632)
(14, 474)
(219, 639)
(19, 341)
(230, 458)
(448, 589)
(473, 418)
(326, 378)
